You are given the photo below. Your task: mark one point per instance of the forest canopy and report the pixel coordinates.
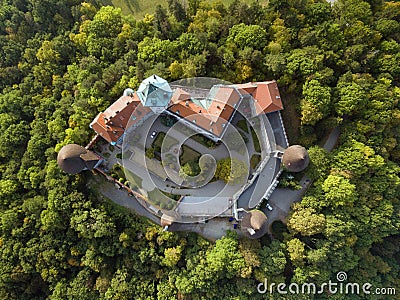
(62, 62)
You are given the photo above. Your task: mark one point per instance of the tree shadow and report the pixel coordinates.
(106, 2)
(133, 5)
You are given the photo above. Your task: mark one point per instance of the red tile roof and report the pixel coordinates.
(180, 95)
(112, 123)
(266, 95)
(212, 119)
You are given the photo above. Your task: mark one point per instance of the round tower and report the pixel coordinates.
(295, 158)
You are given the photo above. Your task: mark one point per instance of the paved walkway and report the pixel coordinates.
(121, 197)
(213, 230)
(218, 152)
(282, 199)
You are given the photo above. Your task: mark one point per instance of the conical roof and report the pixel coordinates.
(295, 158)
(255, 220)
(73, 159)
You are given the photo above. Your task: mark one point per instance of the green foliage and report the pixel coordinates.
(62, 62)
(253, 36)
(316, 102)
(150, 153)
(306, 221)
(224, 259)
(232, 171)
(273, 261)
(339, 190)
(191, 168)
(352, 98)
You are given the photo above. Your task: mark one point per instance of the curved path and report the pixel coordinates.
(282, 198)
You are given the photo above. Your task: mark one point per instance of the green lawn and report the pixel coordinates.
(168, 141)
(139, 8)
(203, 140)
(290, 116)
(134, 180)
(256, 142)
(188, 154)
(161, 199)
(254, 160)
(242, 124)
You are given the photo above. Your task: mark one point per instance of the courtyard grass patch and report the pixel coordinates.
(188, 154)
(204, 141)
(242, 124)
(161, 199)
(161, 139)
(134, 180)
(255, 160)
(236, 141)
(121, 172)
(256, 142)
